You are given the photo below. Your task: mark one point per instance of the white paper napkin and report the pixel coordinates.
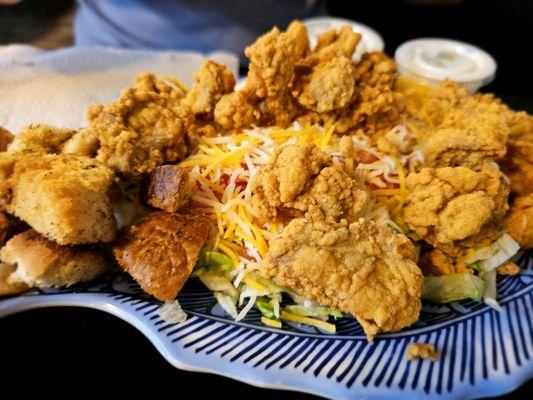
(55, 87)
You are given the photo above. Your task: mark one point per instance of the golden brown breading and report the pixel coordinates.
(84, 143)
(169, 188)
(5, 138)
(7, 285)
(450, 204)
(519, 222)
(144, 128)
(421, 350)
(212, 81)
(334, 43)
(63, 197)
(42, 263)
(301, 180)
(331, 86)
(521, 126)
(518, 165)
(508, 268)
(377, 106)
(358, 268)
(236, 111)
(297, 33)
(444, 261)
(43, 139)
(452, 147)
(271, 77)
(161, 249)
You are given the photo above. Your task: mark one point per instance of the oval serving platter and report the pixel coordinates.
(482, 352)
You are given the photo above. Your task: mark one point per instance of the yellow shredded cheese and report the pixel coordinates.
(253, 284)
(309, 321)
(274, 323)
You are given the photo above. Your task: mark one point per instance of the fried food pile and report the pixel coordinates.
(335, 183)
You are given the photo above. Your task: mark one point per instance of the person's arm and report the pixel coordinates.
(9, 2)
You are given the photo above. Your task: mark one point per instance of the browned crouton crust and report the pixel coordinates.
(5, 138)
(161, 249)
(63, 197)
(169, 188)
(42, 263)
(7, 285)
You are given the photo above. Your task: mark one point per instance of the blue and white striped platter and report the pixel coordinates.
(482, 352)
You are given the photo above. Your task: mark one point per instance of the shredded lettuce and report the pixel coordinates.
(219, 282)
(494, 255)
(447, 288)
(265, 306)
(313, 311)
(215, 261)
(489, 296)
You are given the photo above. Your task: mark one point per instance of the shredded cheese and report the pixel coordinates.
(222, 168)
(287, 316)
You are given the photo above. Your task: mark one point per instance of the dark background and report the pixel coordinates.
(70, 351)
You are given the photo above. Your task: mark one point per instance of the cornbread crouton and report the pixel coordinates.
(42, 263)
(161, 249)
(63, 197)
(169, 188)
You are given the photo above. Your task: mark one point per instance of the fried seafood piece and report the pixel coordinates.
(452, 147)
(508, 268)
(41, 263)
(334, 43)
(144, 128)
(518, 164)
(329, 87)
(519, 221)
(454, 203)
(161, 249)
(63, 197)
(169, 188)
(41, 138)
(377, 106)
(297, 33)
(271, 76)
(438, 262)
(212, 81)
(5, 138)
(452, 106)
(236, 111)
(521, 126)
(302, 180)
(358, 268)
(421, 350)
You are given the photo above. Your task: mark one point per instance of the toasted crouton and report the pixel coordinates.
(40, 138)
(63, 197)
(5, 138)
(42, 263)
(9, 286)
(161, 249)
(169, 188)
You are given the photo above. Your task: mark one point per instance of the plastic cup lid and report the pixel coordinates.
(370, 40)
(440, 59)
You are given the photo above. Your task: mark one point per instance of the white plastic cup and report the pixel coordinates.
(432, 60)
